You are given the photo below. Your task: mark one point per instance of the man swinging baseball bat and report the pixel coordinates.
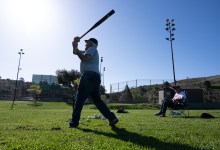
(90, 80)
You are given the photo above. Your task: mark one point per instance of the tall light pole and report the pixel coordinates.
(101, 66)
(103, 77)
(170, 28)
(100, 70)
(16, 83)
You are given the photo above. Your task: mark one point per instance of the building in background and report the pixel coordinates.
(7, 87)
(50, 79)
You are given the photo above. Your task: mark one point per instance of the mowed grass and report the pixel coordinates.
(45, 126)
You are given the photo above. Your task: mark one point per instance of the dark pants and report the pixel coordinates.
(166, 103)
(169, 103)
(89, 85)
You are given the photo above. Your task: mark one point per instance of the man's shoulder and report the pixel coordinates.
(183, 91)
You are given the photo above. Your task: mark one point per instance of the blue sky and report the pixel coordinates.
(131, 42)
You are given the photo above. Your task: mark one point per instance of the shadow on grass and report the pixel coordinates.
(141, 140)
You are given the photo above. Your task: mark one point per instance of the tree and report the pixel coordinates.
(137, 94)
(35, 90)
(102, 90)
(126, 95)
(207, 85)
(75, 84)
(44, 85)
(67, 78)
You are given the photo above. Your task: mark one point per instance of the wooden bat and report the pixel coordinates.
(99, 22)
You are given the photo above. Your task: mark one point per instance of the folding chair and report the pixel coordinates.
(180, 108)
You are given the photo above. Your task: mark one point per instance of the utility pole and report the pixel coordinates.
(103, 77)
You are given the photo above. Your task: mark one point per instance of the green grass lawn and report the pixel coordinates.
(45, 126)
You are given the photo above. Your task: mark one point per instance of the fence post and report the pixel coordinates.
(136, 83)
(118, 86)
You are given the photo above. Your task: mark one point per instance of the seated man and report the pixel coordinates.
(168, 91)
(177, 101)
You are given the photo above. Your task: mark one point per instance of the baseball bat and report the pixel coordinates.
(99, 22)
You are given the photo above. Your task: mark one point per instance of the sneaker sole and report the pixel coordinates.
(113, 122)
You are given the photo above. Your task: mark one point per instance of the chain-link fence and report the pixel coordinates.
(7, 89)
(208, 97)
(120, 86)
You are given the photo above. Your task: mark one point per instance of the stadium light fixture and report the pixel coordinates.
(170, 28)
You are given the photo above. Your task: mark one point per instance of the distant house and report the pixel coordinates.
(50, 79)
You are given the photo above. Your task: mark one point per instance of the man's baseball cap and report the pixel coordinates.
(92, 40)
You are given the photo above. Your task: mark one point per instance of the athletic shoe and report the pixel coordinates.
(113, 122)
(73, 125)
(162, 115)
(158, 113)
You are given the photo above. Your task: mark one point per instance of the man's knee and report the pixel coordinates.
(166, 100)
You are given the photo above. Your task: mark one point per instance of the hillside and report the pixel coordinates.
(198, 82)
